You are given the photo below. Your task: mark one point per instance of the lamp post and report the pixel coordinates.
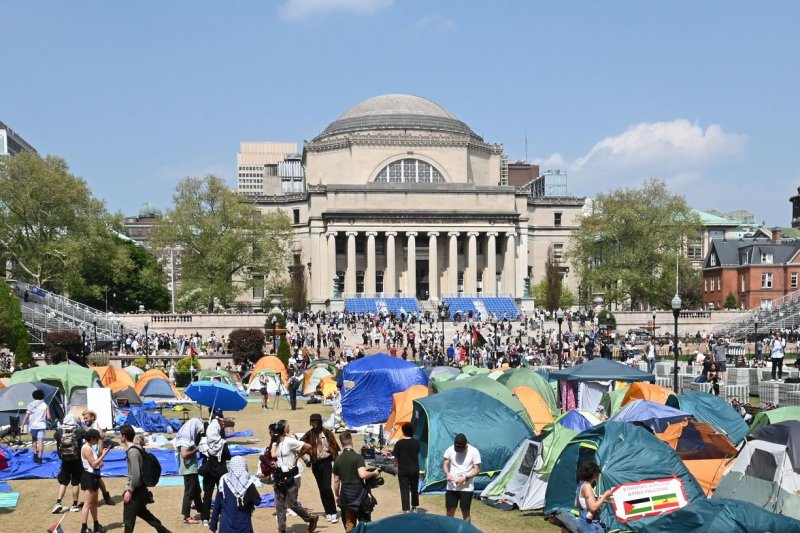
(755, 337)
(146, 346)
(319, 334)
(94, 345)
(676, 310)
(83, 346)
(121, 337)
(653, 332)
(560, 319)
(274, 334)
(444, 311)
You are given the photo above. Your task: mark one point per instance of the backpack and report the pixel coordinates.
(68, 446)
(151, 469)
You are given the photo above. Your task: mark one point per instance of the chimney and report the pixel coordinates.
(776, 234)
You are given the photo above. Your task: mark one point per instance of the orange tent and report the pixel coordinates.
(706, 453)
(108, 374)
(402, 409)
(269, 362)
(328, 386)
(536, 406)
(152, 374)
(650, 392)
(123, 377)
(120, 384)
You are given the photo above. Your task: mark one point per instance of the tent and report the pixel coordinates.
(274, 382)
(654, 416)
(155, 385)
(134, 372)
(706, 453)
(523, 480)
(577, 420)
(525, 377)
(126, 393)
(472, 370)
(427, 522)
(650, 392)
(222, 375)
(626, 454)
(767, 471)
(602, 370)
(367, 386)
(489, 425)
(612, 401)
(270, 362)
(774, 416)
(721, 514)
(438, 372)
(324, 363)
(402, 409)
(715, 412)
(72, 380)
(312, 378)
(490, 387)
(14, 400)
(123, 378)
(328, 386)
(536, 406)
(107, 374)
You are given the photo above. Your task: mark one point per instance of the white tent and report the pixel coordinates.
(274, 385)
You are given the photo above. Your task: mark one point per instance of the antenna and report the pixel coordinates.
(526, 145)
(677, 258)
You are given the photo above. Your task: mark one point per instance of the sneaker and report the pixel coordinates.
(414, 510)
(57, 508)
(289, 512)
(107, 499)
(205, 523)
(99, 529)
(74, 508)
(312, 524)
(333, 518)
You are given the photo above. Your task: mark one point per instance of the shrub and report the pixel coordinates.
(139, 362)
(284, 352)
(246, 345)
(13, 332)
(98, 359)
(606, 318)
(183, 378)
(186, 363)
(58, 345)
(730, 301)
(280, 321)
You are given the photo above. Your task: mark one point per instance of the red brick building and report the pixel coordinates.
(756, 271)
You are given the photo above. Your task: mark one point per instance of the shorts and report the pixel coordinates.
(460, 498)
(70, 473)
(90, 481)
(263, 391)
(37, 434)
(721, 365)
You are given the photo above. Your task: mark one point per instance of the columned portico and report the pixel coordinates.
(369, 272)
(411, 269)
(452, 263)
(490, 275)
(390, 279)
(433, 266)
(471, 272)
(350, 274)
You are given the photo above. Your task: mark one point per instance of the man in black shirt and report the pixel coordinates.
(349, 474)
(406, 459)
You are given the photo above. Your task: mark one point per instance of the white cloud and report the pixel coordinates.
(300, 9)
(435, 23)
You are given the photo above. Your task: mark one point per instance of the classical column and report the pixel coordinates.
(411, 273)
(490, 274)
(471, 274)
(320, 269)
(509, 269)
(433, 266)
(522, 264)
(315, 259)
(390, 278)
(452, 266)
(331, 264)
(350, 273)
(369, 273)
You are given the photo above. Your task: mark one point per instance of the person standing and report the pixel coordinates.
(323, 452)
(349, 473)
(236, 498)
(461, 464)
(215, 457)
(263, 381)
(287, 451)
(186, 442)
(777, 350)
(36, 417)
(406, 459)
(719, 356)
(90, 422)
(92, 460)
(69, 440)
(759, 347)
(651, 356)
(295, 382)
(136, 496)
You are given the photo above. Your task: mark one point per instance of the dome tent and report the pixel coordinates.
(492, 388)
(715, 412)
(14, 400)
(269, 362)
(773, 416)
(402, 409)
(155, 385)
(655, 416)
(650, 392)
(525, 377)
(71, 379)
(722, 514)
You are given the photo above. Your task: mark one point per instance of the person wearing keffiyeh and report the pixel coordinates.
(215, 452)
(236, 498)
(186, 442)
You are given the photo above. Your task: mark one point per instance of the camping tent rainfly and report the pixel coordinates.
(715, 412)
(155, 385)
(721, 514)
(14, 400)
(492, 388)
(72, 380)
(402, 409)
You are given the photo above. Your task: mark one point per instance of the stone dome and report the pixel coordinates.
(397, 112)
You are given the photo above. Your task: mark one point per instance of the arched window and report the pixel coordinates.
(409, 171)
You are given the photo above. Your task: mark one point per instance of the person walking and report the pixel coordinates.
(287, 451)
(461, 464)
(90, 422)
(323, 452)
(186, 442)
(295, 382)
(651, 356)
(406, 460)
(719, 356)
(216, 454)
(777, 349)
(92, 460)
(136, 496)
(349, 474)
(236, 498)
(36, 417)
(69, 440)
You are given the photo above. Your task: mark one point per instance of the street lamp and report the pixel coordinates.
(444, 312)
(83, 346)
(653, 331)
(274, 333)
(755, 337)
(319, 335)
(494, 339)
(676, 310)
(560, 319)
(94, 346)
(146, 346)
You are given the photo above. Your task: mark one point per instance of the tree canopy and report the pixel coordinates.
(626, 247)
(227, 244)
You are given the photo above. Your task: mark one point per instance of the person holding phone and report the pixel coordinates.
(92, 458)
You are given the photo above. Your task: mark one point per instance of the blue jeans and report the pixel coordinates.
(651, 365)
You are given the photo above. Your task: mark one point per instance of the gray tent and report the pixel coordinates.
(127, 394)
(14, 400)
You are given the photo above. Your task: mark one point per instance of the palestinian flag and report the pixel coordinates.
(477, 339)
(638, 506)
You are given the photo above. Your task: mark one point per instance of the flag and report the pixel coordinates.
(477, 339)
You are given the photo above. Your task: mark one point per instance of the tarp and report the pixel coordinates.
(14, 401)
(722, 515)
(649, 414)
(151, 422)
(413, 522)
(537, 408)
(494, 429)
(402, 409)
(270, 362)
(367, 386)
(650, 392)
(64, 376)
(490, 387)
(602, 370)
(626, 454)
(525, 377)
(715, 412)
(774, 416)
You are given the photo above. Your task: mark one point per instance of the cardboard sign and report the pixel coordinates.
(99, 401)
(633, 501)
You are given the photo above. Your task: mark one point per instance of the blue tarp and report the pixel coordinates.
(150, 422)
(715, 412)
(649, 414)
(367, 385)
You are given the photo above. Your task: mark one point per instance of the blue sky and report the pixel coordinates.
(136, 95)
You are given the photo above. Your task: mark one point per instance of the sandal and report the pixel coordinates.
(190, 521)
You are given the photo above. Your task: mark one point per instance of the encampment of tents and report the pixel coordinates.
(722, 514)
(492, 388)
(402, 409)
(270, 362)
(650, 392)
(367, 386)
(715, 412)
(773, 416)
(612, 401)
(536, 406)
(439, 418)
(72, 380)
(155, 385)
(525, 377)
(441, 372)
(655, 416)
(14, 400)
(626, 454)
(472, 370)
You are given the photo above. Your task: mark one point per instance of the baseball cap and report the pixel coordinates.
(460, 442)
(315, 417)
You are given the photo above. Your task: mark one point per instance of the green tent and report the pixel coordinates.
(626, 454)
(492, 388)
(471, 370)
(781, 414)
(715, 412)
(210, 374)
(525, 377)
(722, 514)
(65, 376)
(611, 401)
(490, 426)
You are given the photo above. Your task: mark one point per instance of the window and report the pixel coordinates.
(745, 258)
(716, 234)
(719, 284)
(557, 219)
(359, 281)
(379, 281)
(296, 216)
(258, 287)
(743, 287)
(766, 280)
(794, 280)
(558, 252)
(694, 250)
(409, 171)
(766, 258)
(712, 260)
(705, 285)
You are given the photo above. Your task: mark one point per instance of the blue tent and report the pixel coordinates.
(715, 412)
(574, 420)
(157, 389)
(427, 522)
(367, 385)
(14, 400)
(720, 514)
(649, 414)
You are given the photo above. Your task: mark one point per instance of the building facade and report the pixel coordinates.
(718, 226)
(268, 168)
(11, 143)
(401, 198)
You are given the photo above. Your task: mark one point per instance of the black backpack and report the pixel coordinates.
(69, 444)
(151, 469)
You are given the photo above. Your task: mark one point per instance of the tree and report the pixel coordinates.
(626, 247)
(284, 352)
(606, 319)
(539, 293)
(730, 301)
(59, 345)
(246, 345)
(227, 243)
(13, 333)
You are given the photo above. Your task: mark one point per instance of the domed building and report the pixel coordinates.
(404, 203)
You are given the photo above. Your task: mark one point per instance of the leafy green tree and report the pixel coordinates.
(606, 319)
(13, 333)
(59, 345)
(284, 352)
(227, 244)
(626, 247)
(730, 301)
(539, 293)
